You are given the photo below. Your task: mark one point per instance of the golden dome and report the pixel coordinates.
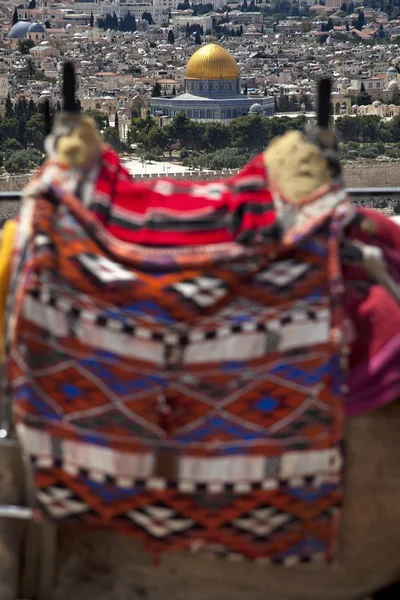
(212, 62)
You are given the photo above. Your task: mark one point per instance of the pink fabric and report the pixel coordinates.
(374, 361)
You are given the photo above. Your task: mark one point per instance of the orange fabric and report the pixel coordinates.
(6, 248)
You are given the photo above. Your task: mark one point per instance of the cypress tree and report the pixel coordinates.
(15, 17)
(8, 108)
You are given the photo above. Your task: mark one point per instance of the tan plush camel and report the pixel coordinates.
(103, 565)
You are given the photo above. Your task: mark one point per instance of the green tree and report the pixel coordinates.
(116, 122)
(15, 17)
(32, 4)
(360, 21)
(156, 91)
(111, 137)
(180, 129)
(91, 19)
(146, 16)
(30, 65)
(248, 132)
(22, 161)
(216, 136)
(9, 146)
(8, 128)
(171, 37)
(99, 117)
(21, 135)
(157, 139)
(35, 131)
(25, 45)
(396, 207)
(363, 129)
(395, 128)
(31, 109)
(20, 108)
(8, 108)
(197, 38)
(140, 127)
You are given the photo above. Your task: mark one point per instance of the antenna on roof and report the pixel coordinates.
(69, 88)
(324, 102)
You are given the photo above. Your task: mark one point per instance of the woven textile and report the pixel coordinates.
(190, 397)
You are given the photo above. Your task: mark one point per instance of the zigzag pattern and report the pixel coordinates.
(190, 398)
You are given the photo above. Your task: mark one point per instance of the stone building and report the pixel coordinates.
(212, 90)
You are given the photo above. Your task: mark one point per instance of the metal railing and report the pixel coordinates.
(377, 192)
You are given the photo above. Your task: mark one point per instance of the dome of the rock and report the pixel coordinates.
(212, 62)
(212, 90)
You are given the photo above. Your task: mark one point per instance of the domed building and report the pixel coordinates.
(36, 32)
(27, 30)
(392, 73)
(212, 90)
(19, 31)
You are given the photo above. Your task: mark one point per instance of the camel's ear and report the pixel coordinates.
(69, 88)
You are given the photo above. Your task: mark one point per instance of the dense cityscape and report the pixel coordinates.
(200, 86)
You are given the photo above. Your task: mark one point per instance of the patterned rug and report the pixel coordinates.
(191, 397)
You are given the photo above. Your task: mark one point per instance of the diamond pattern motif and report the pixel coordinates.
(59, 502)
(180, 413)
(204, 291)
(283, 272)
(262, 521)
(160, 521)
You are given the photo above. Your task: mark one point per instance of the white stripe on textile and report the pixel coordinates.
(308, 333)
(35, 441)
(120, 343)
(310, 462)
(224, 469)
(300, 332)
(44, 316)
(97, 459)
(233, 347)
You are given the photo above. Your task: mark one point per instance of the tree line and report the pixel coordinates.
(368, 129)
(248, 134)
(22, 135)
(214, 145)
(127, 23)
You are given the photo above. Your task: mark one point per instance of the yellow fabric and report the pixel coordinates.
(6, 247)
